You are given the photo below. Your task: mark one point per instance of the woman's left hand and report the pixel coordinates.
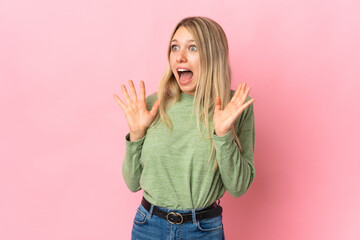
(224, 119)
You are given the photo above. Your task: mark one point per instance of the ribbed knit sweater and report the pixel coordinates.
(173, 167)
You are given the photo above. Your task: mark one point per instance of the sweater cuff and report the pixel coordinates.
(133, 145)
(229, 137)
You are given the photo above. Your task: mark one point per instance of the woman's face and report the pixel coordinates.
(184, 60)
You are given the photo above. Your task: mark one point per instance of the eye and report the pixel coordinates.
(193, 48)
(174, 47)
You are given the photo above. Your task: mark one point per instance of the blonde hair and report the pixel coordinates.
(214, 74)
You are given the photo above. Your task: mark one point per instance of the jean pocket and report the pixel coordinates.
(210, 224)
(140, 217)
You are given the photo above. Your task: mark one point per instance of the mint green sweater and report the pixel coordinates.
(173, 167)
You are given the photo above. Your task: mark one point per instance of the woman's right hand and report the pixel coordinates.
(137, 115)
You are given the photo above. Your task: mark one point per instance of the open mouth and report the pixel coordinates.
(185, 76)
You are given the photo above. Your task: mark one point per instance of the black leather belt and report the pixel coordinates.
(179, 218)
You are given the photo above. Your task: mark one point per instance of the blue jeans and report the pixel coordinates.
(150, 227)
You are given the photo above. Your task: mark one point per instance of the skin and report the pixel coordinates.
(136, 113)
(224, 119)
(183, 54)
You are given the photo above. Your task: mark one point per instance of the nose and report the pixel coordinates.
(181, 56)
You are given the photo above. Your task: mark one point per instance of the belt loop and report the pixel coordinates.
(218, 203)
(151, 210)
(193, 213)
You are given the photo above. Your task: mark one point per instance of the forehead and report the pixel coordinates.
(182, 35)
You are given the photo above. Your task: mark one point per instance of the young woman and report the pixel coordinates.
(190, 141)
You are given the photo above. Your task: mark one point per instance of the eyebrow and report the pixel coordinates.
(174, 40)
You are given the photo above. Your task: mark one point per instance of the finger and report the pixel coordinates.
(133, 91)
(142, 91)
(125, 93)
(244, 95)
(242, 98)
(242, 88)
(155, 107)
(217, 103)
(247, 91)
(121, 103)
(236, 94)
(247, 104)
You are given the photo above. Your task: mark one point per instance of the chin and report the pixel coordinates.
(190, 91)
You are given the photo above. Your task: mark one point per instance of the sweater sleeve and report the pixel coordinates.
(132, 166)
(237, 166)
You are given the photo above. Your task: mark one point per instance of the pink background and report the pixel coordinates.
(62, 133)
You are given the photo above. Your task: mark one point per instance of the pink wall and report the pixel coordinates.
(62, 133)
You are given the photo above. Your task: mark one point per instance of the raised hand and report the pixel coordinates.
(224, 119)
(137, 115)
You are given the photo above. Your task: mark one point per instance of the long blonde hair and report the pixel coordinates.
(214, 74)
